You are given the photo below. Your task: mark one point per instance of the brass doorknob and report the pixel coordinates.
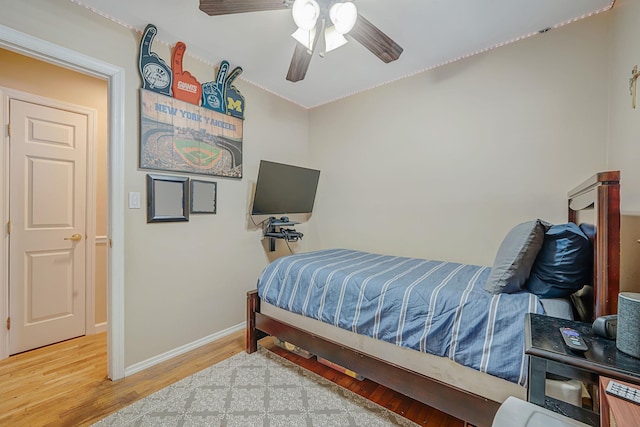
(74, 237)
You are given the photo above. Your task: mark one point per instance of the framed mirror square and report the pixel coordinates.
(203, 197)
(167, 198)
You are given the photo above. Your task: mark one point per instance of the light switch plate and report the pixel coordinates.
(134, 200)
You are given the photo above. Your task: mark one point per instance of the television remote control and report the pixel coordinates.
(573, 340)
(623, 392)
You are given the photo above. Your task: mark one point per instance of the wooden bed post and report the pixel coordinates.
(602, 191)
(253, 306)
(606, 298)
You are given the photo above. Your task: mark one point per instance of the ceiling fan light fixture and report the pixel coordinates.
(333, 39)
(343, 16)
(305, 13)
(305, 37)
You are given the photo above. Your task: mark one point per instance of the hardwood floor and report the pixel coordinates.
(66, 384)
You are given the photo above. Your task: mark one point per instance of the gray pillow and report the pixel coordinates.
(515, 257)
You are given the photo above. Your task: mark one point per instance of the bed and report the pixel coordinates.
(472, 394)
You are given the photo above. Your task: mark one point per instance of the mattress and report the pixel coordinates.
(434, 307)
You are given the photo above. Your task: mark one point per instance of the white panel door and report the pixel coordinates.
(48, 149)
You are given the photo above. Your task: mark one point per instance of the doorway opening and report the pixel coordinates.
(32, 47)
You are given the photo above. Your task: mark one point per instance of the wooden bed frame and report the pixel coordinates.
(601, 192)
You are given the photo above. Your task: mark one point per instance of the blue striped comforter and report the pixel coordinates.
(430, 306)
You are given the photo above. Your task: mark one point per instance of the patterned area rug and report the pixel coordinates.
(259, 389)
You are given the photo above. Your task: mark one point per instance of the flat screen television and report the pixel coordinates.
(284, 189)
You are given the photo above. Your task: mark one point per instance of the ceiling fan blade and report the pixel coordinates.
(299, 63)
(226, 7)
(302, 56)
(378, 43)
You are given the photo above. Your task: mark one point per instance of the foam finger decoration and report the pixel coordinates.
(213, 92)
(235, 100)
(221, 96)
(156, 75)
(185, 87)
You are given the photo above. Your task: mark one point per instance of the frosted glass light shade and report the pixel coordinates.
(305, 37)
(305, 13)
(333, 39)
(343, 16)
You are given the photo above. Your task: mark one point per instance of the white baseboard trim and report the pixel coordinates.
(100, 327)
(140, 366)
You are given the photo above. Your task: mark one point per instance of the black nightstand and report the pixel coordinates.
(549, 355)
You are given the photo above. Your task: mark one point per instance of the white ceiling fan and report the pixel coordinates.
(333, 19)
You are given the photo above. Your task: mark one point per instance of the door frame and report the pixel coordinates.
(43, 50)
(7, 94)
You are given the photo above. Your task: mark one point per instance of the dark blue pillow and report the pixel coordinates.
(563, 265)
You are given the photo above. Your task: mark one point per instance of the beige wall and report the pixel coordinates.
(443, 164)
(183, 281)
(29, 75)
(624, 135)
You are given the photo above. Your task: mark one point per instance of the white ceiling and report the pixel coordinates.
(432, 33)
